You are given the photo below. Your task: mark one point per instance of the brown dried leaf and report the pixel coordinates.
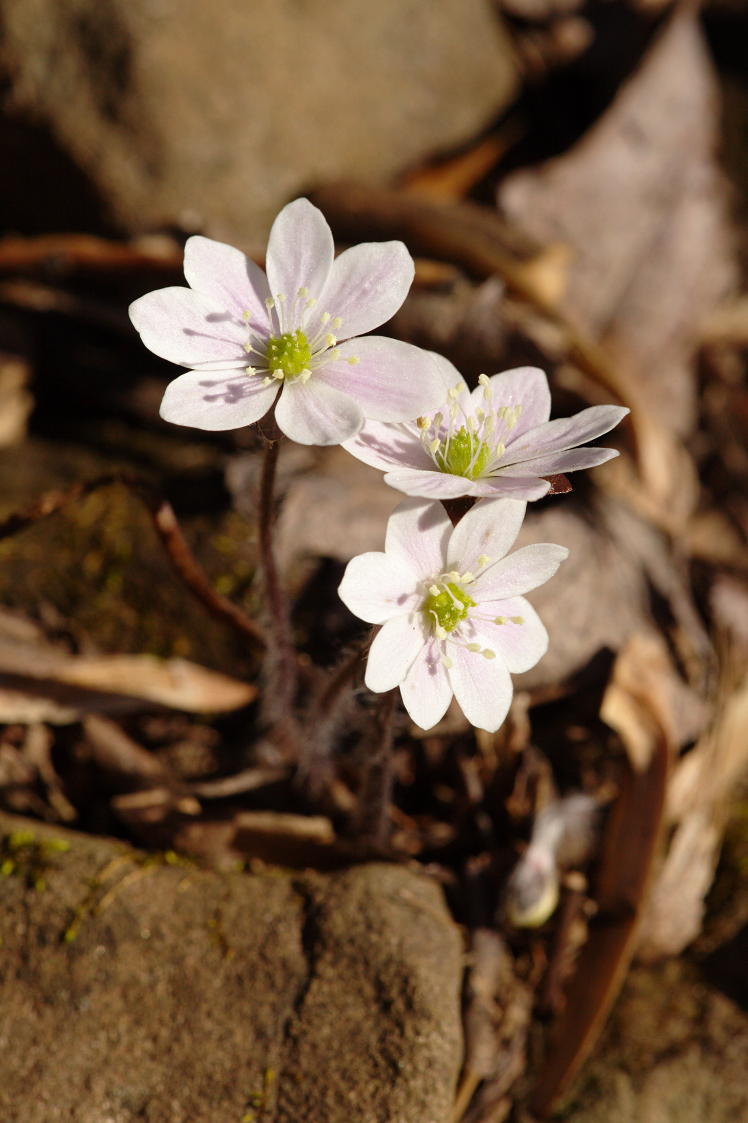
(641, 201)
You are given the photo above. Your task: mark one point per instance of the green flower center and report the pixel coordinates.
(289, 353)
(447, 604)
(463, 454)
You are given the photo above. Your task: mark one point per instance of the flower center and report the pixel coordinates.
(446, 605)
(290, 354)
(463, 454)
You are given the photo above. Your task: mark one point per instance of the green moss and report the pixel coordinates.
(27, 857)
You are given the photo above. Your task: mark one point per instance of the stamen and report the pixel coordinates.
(353, 360)
(487, 653)
(278, 374)
(246, 315)
(311, 302)
(337, 323)
(484, 559)
(269, 302)
(250, 370)
(330, 340)
(500, 619)
(517, 619)
(303, 292)
(326, 317)
(305, 375)
(447, 662)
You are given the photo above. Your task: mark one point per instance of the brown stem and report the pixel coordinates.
(283, 668)
(376, 789)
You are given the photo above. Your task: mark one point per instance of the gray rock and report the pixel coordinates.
(218, 113)
(136, 988)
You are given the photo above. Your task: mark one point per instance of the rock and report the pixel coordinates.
(216, 114)
(140, 987)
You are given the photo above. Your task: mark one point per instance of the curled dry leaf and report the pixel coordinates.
(41, 683)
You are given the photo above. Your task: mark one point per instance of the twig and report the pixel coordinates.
(167, 527)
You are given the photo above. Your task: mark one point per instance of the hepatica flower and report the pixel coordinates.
(494, 441)
(451, 605)
(250, 337)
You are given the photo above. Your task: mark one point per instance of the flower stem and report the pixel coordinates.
(375, 795)
(280, 689)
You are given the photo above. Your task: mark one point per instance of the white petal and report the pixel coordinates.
(429, 484)
(526, 387)
(300, 251)
(392, 380)
(488, 529)
(377, 586)
(519, 645)
(505, 486)
(523, 570)
(418, 531)
(384, 443)
(227, 277)
(180, 325)
(482, 687)
(425, 691)
(564, 433)
(366, 286)
(554, 462)
(216, 400)
(313, 413)
(393, 651)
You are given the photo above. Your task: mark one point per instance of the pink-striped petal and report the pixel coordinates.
(393, 652)
(216, 400)
(227, 278)
(313, 413)
(382, 444)
(182, 326)
(488, 533)
(554, 462)
(391, 380)
(429, 484)
(425, 690)
(377, 586)
(563, 433)
(366, 286)
(522, 571)
(418, 532)
(522, 386)
(482, 687)
(520, 641)
(504, 486)
(300, 252)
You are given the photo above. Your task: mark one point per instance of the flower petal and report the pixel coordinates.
(384, 443)
(488, 529)
(482, 687)
(393, 651)
(313, 413)
(216, 400)
(519, 645)
(564, 433)
(180, 325)
(523, 570)
(505, 486)
(523, 386)
(226, 277)
(366, 286)
(553, 462)
(300, 251)
(429, 484)
(425, 690)
(391, 380)
(418, 532)
(377, 586)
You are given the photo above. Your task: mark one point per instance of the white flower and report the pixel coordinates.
(494, 441)
(454, 619)
(250, 338)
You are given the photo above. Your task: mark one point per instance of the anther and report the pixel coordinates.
(484, 559)
(330, 340)
(337, 323)
(326, 317)
(517, 619)
(269, 302)
(353, 360)
(305, 375)
(447, 662)
(487, 653)
(500, 619)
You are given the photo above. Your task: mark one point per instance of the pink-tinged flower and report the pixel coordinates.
(251, 337)
(494, 441)
(451, 605)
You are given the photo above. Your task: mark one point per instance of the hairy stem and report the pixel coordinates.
(282, 672)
